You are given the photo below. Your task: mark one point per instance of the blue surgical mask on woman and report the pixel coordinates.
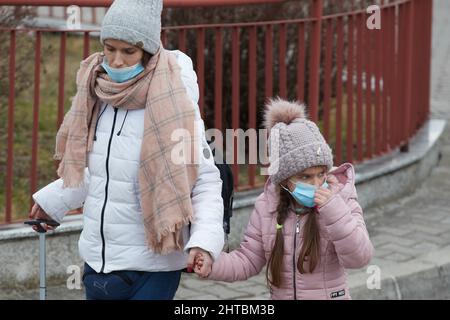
(304, 193)
(122, 74)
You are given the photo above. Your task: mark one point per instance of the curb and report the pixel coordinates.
(424, 278)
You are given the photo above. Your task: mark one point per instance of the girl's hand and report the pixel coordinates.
(321, 196)
(200, 262)
(202, 265)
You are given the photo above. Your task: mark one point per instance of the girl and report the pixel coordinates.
(146, 216)
(307, 225)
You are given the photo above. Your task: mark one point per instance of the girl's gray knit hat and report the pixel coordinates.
(295, 143)
(137, 22)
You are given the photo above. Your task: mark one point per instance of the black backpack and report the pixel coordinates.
(226, 174)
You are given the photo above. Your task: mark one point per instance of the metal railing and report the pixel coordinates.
(368, 89)
(93, 15)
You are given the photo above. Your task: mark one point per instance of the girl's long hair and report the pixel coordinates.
(310, 251)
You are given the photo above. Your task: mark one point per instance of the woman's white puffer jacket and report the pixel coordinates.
(113, 236)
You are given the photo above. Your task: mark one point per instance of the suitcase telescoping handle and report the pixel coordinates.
(38, 223)
(42, 231)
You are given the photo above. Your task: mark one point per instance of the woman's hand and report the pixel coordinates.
(38, 213)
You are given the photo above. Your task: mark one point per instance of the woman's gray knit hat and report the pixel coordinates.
(137, 22)
(295, 143)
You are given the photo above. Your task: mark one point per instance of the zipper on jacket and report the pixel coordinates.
(297, 231)
(106, 190)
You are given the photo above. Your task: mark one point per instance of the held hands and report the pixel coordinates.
(322, 195)
(200, 261)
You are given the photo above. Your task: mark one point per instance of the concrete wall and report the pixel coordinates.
(19, 258)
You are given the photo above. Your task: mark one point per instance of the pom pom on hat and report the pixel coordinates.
(296, 143)
(279, 110)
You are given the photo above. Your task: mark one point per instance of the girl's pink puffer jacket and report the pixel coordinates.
(345, 243)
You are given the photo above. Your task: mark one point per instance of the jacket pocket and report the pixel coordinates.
(87, 271)
(117, 285)
(123, 275)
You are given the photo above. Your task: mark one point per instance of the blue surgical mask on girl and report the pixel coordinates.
(304, 193)
(122, 74)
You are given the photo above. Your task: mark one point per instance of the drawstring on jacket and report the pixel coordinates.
(101, 113)
(96, 124)
(120, 131)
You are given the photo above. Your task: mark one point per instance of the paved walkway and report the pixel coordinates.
(400, 230)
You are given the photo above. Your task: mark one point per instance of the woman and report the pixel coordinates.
(146, 214)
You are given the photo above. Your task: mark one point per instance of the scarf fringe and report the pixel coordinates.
(72, 183)
(174, 228)
(73, 180)
(159, 246)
